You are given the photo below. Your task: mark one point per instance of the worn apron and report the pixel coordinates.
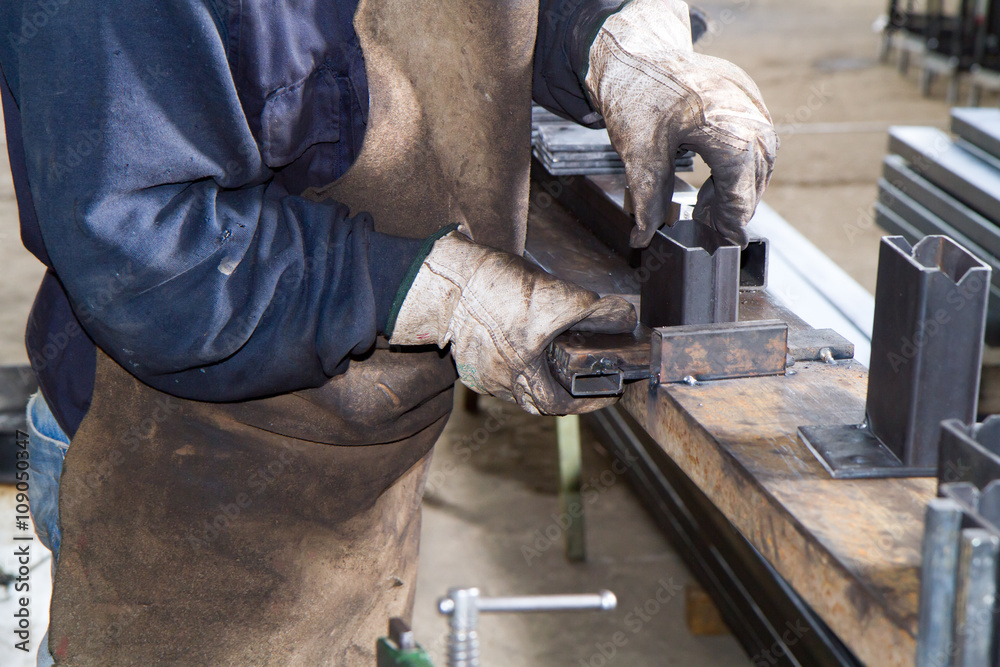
(284, 531)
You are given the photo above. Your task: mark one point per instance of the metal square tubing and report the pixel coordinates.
(692, 276)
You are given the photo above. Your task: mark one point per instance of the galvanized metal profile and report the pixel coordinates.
(930, 305)
(691, 276)
(980, 127)
(963, 219)
(939, 569)
(936, 156)
(975, 595)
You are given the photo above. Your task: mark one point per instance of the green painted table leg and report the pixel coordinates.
(570, 501)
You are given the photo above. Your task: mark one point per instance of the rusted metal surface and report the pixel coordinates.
(851, 549)
(600, 364)
(719, 351)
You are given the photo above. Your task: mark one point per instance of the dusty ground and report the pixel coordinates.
(814, 62)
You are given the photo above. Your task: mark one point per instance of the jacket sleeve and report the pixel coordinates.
(183, 258)
(566, 29)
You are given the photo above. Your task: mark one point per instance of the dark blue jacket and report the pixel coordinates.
(158, 151)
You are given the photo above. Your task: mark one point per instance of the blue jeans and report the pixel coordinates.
(47, 445)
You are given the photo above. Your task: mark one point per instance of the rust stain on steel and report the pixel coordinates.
(714, 351)
(851, 548)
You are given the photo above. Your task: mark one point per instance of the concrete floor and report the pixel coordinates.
(492, 492)
(491, 520)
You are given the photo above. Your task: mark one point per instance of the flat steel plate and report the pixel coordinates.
(850, 451)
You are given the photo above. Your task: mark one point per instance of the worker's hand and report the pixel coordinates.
(500, 314)
(657, 95)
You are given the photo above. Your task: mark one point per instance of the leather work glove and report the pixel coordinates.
(500, 314)
(657, 95)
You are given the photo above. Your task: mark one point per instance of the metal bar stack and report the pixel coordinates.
(958, 622)
(565, 148)
(933, 183)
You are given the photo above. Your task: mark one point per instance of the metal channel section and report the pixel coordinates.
(930, 304)
(921, 223)
(692, 277)
(933, 154)
(977, 228)
(771, 621)
(978, 126)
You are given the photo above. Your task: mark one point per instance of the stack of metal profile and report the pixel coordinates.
(937, 183)
(958, 622)
(542, 116)
(567, 149)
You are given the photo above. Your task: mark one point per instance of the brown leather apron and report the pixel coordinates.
(284, 531)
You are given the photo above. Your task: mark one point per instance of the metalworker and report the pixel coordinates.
(274, 230)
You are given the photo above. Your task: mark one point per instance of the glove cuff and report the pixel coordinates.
(411, 275)
(427, 300)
